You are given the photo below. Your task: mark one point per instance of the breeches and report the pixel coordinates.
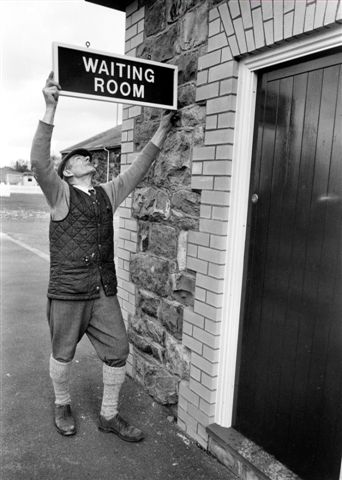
(100, 319)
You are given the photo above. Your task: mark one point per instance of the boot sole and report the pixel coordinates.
(65, 434)
(126, 439)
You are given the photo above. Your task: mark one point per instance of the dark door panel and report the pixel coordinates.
(290, 363)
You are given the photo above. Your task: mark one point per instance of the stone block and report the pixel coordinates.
(299, 18)
(225, 70)
(221, 104)
(210, 90)
(151, 273)
(309, 17)
(170, 314)
(219, 136)
(202, 183)
(288, 24)
(186, 201)
(214, 27)
(278, 21)
(148, 302)
(246, 14)
(183, 287)
(209, 60)
(194, 27)
(173, 164)
(240, 35)
(151, 203)
(331, 11)
(148, 327)
(198, 135)
(192, 115)
(143, 236)
(226, 19)
(217, 42)
(177, 358)
(203, 153)
(319, 14)
(146, 345)
(224, 456)
(233, 45)
(182, 221)
(186, 95)
(182, 249)
(258, 28)
(176, 8)
(153, 329)
(187, 67)
(213, 226)
(163, 240)
(197, 265)
(144, 131)
(159, 383)
(268, 28)
(162, 47)
(155, 18)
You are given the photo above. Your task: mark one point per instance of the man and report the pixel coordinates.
(82, 287)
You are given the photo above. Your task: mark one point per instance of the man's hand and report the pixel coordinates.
(51, 94)
(51, 91)
(168, 119)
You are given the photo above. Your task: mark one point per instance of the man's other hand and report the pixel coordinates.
(51, 91)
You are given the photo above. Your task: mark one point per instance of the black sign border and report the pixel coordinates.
(66, 93)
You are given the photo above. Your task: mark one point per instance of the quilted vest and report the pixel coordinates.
(82, 249)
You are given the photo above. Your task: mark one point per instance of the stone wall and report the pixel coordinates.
(173, 246)
(165, 207)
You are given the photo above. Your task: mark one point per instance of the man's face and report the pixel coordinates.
(79, 166)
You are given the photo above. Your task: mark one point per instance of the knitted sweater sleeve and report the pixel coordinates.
(122, 185)
(55, 189)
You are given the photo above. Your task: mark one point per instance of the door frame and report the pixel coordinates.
(237, 225)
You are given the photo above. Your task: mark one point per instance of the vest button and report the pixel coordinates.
(97, 288)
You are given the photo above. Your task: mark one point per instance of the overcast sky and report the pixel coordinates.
(28, 28)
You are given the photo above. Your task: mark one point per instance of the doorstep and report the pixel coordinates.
(243, 457)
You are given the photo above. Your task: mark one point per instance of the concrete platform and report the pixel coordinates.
(31, 447)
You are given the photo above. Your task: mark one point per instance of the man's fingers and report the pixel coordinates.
(50, 82)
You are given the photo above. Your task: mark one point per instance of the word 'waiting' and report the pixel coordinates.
(118, 70)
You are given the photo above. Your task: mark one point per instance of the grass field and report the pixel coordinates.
(24, 201)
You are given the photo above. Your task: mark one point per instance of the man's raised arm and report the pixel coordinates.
(41, 163)
(126, 182)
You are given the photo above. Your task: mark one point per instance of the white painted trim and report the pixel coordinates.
(242, 154)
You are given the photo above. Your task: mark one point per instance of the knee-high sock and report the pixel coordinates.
(60, 375)
(113, 378)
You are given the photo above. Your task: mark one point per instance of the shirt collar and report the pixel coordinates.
(87, 190)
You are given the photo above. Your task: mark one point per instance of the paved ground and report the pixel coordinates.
(31, 448)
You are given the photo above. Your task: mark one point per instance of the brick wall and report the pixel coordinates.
(235, 28)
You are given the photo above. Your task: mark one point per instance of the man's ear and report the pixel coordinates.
(67, 173)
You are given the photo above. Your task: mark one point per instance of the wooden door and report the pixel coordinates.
(289, 388)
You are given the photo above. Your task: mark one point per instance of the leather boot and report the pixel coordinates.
(64, 420)
(121, 428)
